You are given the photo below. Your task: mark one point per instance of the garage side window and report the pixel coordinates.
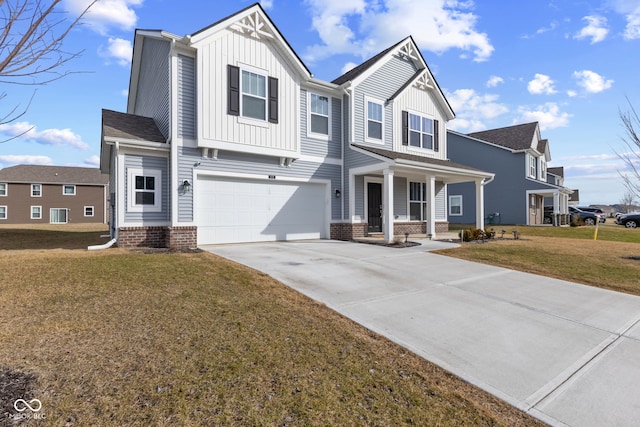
(144, 187)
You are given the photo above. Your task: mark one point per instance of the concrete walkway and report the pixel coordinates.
(568, 354)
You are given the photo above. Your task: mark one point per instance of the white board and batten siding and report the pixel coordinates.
(217, 129)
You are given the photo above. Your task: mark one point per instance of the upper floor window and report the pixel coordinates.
(69, 190)
(252, 94)
(532, 166)
(319, 113)
(420, 131)
(88, 211)
(36, 190)
(543, 169)
(374, 120)
(144, 190)
(3, 189)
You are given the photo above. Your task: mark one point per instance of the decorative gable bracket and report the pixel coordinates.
(408, 50)
(423, 82)
(255, 25)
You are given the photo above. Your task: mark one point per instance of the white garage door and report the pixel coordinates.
(231, 210)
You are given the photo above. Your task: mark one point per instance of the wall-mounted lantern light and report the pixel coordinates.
(186, 185)
(337, 193)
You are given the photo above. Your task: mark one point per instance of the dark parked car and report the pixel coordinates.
(589, 218)
(630, 220)
(597, 211)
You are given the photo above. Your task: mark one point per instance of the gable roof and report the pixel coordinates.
(360, 69)
(558, 171)
(53, 175)
(129, 127)
(517, 137)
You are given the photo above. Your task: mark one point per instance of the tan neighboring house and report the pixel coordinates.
(32, 194)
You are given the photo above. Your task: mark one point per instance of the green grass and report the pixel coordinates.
(568, 253)
(128, 338)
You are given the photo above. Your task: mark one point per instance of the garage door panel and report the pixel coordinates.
(234, 210)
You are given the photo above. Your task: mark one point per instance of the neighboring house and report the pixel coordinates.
(229, 138)
(31, 194)
(518, 157)
(574, 199)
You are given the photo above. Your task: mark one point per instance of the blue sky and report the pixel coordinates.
(570, 65)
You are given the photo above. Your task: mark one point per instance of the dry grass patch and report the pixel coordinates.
(121, 338)
(51, 236)
(605, 264)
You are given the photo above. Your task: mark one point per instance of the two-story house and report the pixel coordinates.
(228, 137)
(34, 194)
(522, 187)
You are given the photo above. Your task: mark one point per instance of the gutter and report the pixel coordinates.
(100, 247)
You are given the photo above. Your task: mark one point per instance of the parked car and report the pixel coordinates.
(630, 220)
(597, 211)
(589, 218)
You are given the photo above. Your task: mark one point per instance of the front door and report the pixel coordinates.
(374, 207)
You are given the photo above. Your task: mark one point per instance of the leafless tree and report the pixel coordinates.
(628, 201)
(31, 45)
(631, 156)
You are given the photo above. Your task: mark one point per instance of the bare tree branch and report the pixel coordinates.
(631, 156)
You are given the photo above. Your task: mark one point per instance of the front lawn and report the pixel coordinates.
(119, 337)
(569, 253)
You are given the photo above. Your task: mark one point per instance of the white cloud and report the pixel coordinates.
(596, 29)
(92, 161)
(348, 66)
(572, 93)
(12, 159)
(592, 82)
(494, 81)
(473, 108)
(119, 49)
(364, 27)
(55, 137)
(547, 115)
(552, 26)
(541, 84)
(631, 11)
(267, 4)
(105, 14)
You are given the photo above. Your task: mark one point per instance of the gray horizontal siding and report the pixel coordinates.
(230, 162)
(400, 197)
(147, 162)
(318, 147)
(153, 96)
(186, 97)
(441, 201)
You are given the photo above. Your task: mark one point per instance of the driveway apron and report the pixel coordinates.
(567, 354)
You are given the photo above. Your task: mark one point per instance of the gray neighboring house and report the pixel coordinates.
(523, 184)
(229, 138)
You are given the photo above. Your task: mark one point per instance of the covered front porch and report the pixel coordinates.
(404, 193)
(548, 206)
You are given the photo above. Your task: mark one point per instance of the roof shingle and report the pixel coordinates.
(53, 175)
(518, 137)
(130, 126)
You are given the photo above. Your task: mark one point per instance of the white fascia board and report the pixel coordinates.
(383, 159)
(251, 149)
(131, 143)
(320, 85)
(444, 169)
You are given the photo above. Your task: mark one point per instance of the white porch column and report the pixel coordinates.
(431, 205)
(479, 204)
(387, 205)
(556, 208)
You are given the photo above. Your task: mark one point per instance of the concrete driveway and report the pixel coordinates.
(568, 354)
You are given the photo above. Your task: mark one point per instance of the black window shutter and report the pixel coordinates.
(405, 128)
(436, 135)
(233, 77)
(273, 100)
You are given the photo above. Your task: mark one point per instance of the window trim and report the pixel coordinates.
(265, 99)
(543, 169)
(452, 197)
(131, 199)
(93, 210)
(6, 212)
(433, 133)
(40, 190)
(311, 133)
(66, 216)
(5, 187)
(424, 202)
(367, 138)
(532, 167)
(31, 212)
(68, 185)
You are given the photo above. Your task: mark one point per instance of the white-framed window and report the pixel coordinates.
(374, 111)
(145, 190)
(36, 190)
(319, 117)
(3, 212)
(58, 215)
(543, 169)
(417, 201)
(420, 131)
(455, 205)
(69, 190)
(532, 170)
(36, 212)
(88, 211)
(253, 90)
(3, 189)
